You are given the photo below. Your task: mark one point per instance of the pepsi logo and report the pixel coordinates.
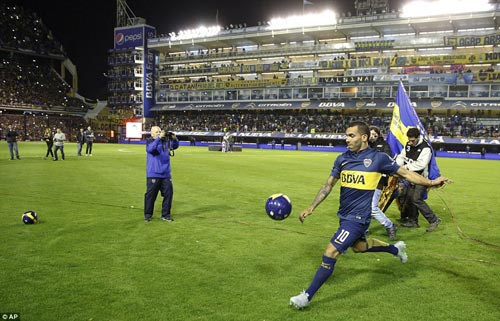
(119, 38)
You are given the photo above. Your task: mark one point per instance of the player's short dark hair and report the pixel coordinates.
(413, 132)
(363, 128)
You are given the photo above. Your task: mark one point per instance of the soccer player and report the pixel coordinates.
(225, 143)
(359, 171)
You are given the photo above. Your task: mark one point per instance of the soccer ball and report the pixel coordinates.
(30, 217)
(278, 206)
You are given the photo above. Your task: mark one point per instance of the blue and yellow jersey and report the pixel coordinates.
(359, 174)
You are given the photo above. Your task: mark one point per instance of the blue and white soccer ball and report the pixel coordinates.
(278, 206)
(30, 217)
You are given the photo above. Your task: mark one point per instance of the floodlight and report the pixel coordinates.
(444, 7)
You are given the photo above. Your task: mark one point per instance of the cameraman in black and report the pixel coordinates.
(159, 147)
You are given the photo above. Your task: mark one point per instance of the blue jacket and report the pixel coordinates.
(158, 157)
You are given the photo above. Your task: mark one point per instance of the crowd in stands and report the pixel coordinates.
(290, 121)
(23, 30)
(26, 80)
(29, 58)
(31, 126)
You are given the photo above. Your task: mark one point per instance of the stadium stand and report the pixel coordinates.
(22, 30)
(298, 80)
(33, 95)
(319, 122)
(305, 80)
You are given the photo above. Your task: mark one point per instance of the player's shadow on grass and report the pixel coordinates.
(380, 275)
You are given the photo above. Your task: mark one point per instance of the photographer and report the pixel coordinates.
(159, 147)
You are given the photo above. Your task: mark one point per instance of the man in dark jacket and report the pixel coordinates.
(416, 157)
(89, 139)
(11, 138)
(158, 174)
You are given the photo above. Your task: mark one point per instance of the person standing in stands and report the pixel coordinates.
(47, 138)
(59, 139)
(80, 140)
(11, 138)
(89, 139)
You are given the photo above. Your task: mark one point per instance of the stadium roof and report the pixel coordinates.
(351, 27)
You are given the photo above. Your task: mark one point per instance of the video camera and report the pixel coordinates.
(168, 136)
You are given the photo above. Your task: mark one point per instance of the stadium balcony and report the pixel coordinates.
(234, 53)
(355, 91)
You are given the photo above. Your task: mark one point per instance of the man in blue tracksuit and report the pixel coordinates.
(158, 176)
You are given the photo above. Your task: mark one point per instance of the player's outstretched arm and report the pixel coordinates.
(322, 194)
(418, 179)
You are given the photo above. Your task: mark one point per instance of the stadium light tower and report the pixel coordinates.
(125, 16)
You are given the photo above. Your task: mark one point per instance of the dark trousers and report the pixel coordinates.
(153, 186)
(79, 149)
(13, 149)
(61, 148)
(416, 194)
(49, 150)
(89, 148)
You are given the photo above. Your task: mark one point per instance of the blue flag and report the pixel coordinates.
(404, 116)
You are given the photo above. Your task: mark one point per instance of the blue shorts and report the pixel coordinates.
(347, 234)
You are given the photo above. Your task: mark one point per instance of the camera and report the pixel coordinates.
(168, 136)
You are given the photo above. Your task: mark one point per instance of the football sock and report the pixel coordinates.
(375, 245)
(322, 274)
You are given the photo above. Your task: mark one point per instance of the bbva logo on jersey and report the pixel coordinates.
(352, 178)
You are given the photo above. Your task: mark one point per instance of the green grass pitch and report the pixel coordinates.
(92, 257)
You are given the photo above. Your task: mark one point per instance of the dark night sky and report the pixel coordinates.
(85, 27)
